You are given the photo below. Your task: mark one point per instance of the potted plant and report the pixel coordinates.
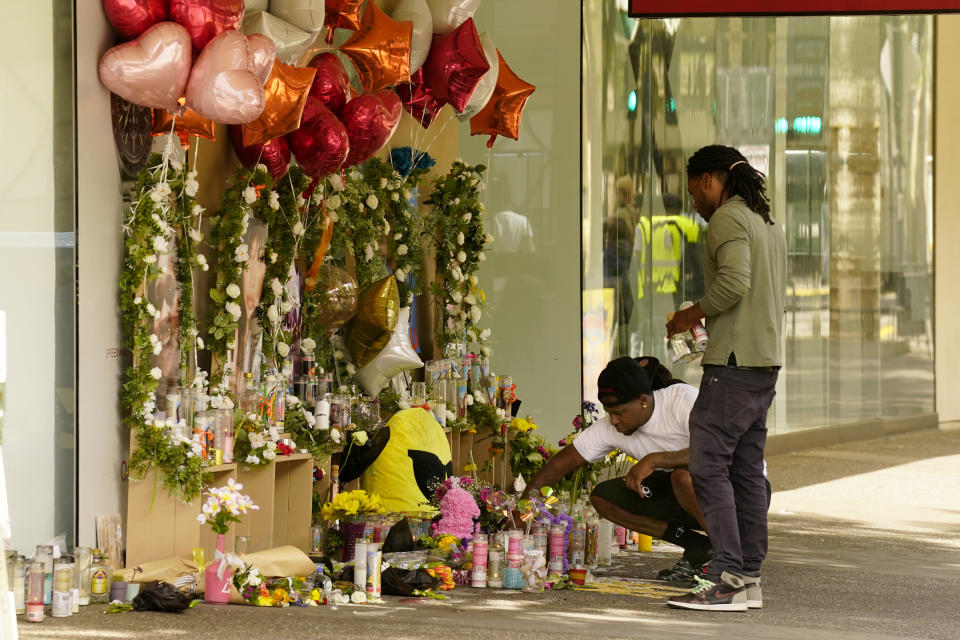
(223, 506)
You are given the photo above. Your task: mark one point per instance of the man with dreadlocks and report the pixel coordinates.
(745, 278)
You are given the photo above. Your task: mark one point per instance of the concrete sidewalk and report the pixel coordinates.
(864, 543)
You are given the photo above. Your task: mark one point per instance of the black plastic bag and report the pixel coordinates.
(399, 538)
(160, 596)
(403, 582)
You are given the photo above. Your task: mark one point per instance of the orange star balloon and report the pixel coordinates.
(502, 114)
(380, 50)
(342, 14)
(287, 89)
(190, 123)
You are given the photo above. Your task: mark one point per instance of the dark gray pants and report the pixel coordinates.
(728, 430)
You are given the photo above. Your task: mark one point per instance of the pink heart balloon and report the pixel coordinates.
(130, 18)
(226, 84)
(331, 85)
(151, 71)
(275, 154)
(370, 122)
(321, 143)
(205, 19)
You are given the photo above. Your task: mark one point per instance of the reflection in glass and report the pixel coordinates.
(837, 112)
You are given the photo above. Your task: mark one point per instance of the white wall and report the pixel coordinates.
(103, 440)
(946, 165)
(27, 267)
(534, 298)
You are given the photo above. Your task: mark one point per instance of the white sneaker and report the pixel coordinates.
(754, 594)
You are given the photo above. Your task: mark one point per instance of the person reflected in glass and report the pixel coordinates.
(617, 254)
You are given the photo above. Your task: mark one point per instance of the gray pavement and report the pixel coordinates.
(864, 543)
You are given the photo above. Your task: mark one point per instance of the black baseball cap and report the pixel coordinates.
(621, 381)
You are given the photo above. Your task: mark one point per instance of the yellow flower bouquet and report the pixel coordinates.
(352, 506)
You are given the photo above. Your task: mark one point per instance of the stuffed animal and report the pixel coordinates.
(401, 461)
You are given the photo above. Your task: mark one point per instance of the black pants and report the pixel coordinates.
(728, 431)
(661, 505)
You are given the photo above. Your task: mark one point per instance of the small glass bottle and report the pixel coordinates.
(478, 575)
(100, 575)
(495, 568)
(35, 590)
(241, 546)
(578, 541)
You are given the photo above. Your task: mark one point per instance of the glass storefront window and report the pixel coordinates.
(837, 112)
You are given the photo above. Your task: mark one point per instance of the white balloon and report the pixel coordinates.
(417, 12)
(450, 14)
(484, 91)
(290, 41)
(305, 14)
(394, 358)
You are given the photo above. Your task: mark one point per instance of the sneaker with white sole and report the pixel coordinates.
(729, 593)
(754, 594)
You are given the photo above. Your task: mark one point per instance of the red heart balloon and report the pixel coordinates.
(275, 154)
(204, 19)
(418, 100)
(130, 18)
(455, 65)
(331, 85)
(370, 122)
(321, 143)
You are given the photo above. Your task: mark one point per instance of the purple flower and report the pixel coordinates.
(578, 422)
(563, 442)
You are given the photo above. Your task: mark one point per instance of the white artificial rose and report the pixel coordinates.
(335, 436)
(402, 250)
(159, 243)
(283, 349)
(286, 306)
(298, 228)
(199, 343)
(197, 210)
(272, 313)
(156, 373)
(138, 300)
(273, 257)
(406, 194)
(190, 187)
(336, 182)
(252, 459)
(277, 287)
(383, 183)
(154, 339)
(308, 345)
(461, 256)
(395, 197)
(481, 256)
(398, 236)
(201, 259)
(468, 399)
(256, 440)
(157, 348)
(456, 201)
(269, 454)
(260, 167)
(358, 597)
(274, 200)
(151, 310)
(338, 354)
(249, 195)
(488, 239)
(333, 202)
(150, 259)
(292, 401)
(195, 235)
(467, 217)
(351, 369)
(233, 290)
(300, 201)
(360, 437)
(241, 253)
(368, 253)
(400, 275)
(372, 201)
(456, 295)
(485, 334)
(474, 280)
(470, 299)
(475, 314)
(233, 309)
(460, 239)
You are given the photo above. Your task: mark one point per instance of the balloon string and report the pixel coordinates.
(486, 192)
(196, 151)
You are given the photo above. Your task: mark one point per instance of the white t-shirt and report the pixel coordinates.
(668, 429)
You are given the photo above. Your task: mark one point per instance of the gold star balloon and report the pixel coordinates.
(380, 50)
(375, 321)
(501, 115)
(286, 91)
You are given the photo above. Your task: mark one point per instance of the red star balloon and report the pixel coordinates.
(502, 114)
(286, 90)
(380, 50)
(455, 65)
(342, 14)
